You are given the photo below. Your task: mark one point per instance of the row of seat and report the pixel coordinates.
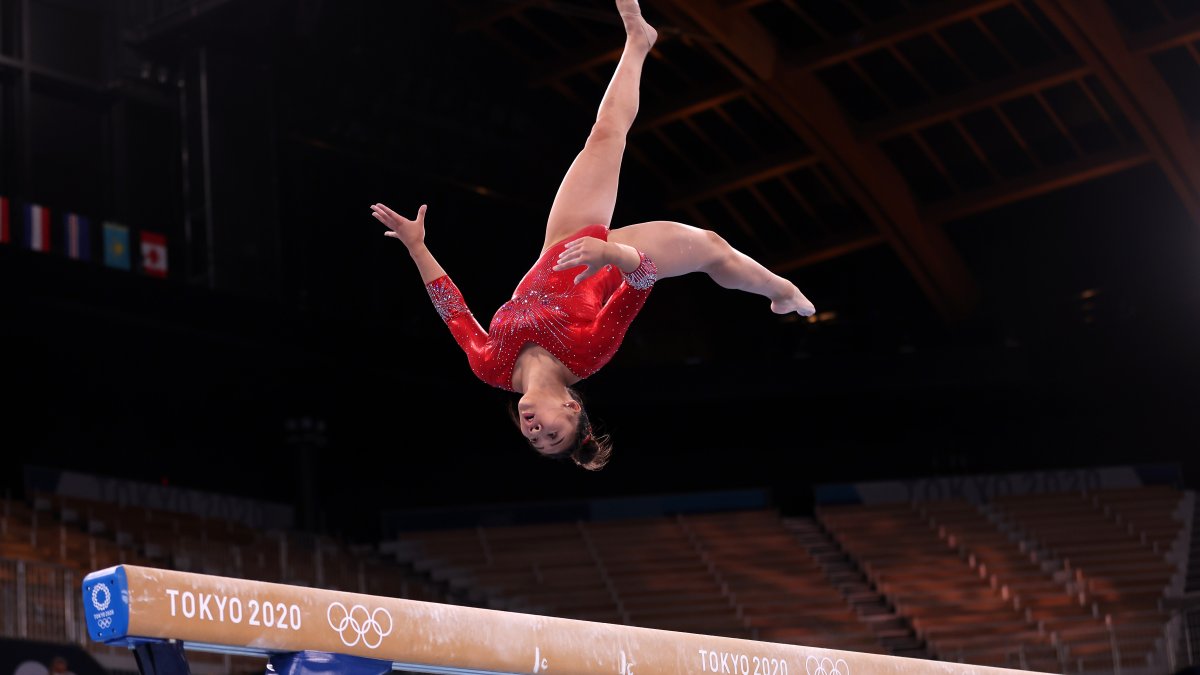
(1067, 582)
(742, 574)
(90, 535)
(1049, 582)
(48, 544)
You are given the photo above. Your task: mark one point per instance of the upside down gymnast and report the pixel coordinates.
(562, 324)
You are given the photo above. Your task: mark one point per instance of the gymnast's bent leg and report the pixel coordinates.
(679, 249)
(588, 193)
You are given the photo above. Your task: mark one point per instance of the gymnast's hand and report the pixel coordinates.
(410, 232)
(589, 251)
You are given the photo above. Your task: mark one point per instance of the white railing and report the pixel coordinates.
(1189, 627)
(40, 601)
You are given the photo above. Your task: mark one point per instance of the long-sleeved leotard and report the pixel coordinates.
(582, 324)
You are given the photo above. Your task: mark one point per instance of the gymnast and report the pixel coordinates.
(571, 310)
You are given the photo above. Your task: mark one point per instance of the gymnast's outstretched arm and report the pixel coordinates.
(447, 299)
(411, 233)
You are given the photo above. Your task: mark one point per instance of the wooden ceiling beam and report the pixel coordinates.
(493, 12)
(885, 33)
(1168, 35)
(828, 251)
(1020, 84)
(584, 58)
(1037, 183)
(705, 98)
(1139, 91)
(795, 94)
(742, 177)
(974, 98)
(743, 4)
(576, 62)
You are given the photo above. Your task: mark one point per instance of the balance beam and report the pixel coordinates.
(130, 605)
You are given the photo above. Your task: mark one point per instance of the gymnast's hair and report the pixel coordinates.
(590, 450)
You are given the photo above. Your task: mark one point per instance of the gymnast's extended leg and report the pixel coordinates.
(679, 249)
(588, 192)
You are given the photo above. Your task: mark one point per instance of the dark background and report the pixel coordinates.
(257, 133)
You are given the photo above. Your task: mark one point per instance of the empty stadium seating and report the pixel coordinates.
(742, 574)
(1063, 582)
(1067, 582)
(48, 543)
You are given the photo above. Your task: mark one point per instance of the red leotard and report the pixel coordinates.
(582, 325)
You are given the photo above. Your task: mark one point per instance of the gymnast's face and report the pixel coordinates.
(549, 423)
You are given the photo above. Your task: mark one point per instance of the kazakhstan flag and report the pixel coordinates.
(116, 246)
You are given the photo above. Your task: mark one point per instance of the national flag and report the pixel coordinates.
(3, 220)
(79, 237)
(154, 254)
(116, 246)
(37, 228)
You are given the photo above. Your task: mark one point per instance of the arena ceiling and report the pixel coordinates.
(813, 134)
(806, 130)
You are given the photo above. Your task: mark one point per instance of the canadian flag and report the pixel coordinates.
(154, 254)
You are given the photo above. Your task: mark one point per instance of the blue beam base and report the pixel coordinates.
(161, 658)
(324, 663)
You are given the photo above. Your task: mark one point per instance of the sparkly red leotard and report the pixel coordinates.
(580, 324)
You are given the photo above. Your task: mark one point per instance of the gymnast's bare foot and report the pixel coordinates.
(635, 25)
(793, 302)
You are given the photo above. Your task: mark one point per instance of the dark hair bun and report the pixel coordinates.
(593, 454)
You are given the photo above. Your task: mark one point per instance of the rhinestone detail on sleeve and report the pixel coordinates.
(446, 299)
(644, 276)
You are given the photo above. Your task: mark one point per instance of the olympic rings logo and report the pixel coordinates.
(104, 623)
(101, 590)
(359, 624)
(826, 666)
